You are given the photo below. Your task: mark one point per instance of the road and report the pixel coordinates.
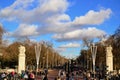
(52, 74)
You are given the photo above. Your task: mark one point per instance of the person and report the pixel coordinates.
(31, 76)
(26, 76)
(67, 76)
(72, 76)
(88, 75)
(45, 78)
(22, 75)
(58, 78)
(43, 75)
(46, 71)
(55, 78)
(3, 75)
(59, 73)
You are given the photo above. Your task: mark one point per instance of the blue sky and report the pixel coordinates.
(63, 22)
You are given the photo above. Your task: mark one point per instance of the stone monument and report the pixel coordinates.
(109, 58)
(21, 63)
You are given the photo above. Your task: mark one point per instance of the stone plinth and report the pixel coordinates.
(109, 58)
(21, 63)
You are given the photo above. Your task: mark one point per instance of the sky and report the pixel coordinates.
(65, 23)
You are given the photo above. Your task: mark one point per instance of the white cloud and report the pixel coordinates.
(62, 23)
(60, 50)
(59, 18)
(25, 30)
(54, 6)
(20, 11)
(6, 42)
(93, 17)
(51, 17)
(80, 34)
(70, 45)
(22, 4)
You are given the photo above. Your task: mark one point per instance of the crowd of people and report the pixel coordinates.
(86, 75)
(62, 75)
(25, 75)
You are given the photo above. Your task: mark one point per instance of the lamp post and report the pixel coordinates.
(53, 60)
(47, 59)
(47, 45)
(90, 64)
(43, 62)
(1, 54)
(93, 51)
(37, 52)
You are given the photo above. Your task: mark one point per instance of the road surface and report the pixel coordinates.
(52, 74)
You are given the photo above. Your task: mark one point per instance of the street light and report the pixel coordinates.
(53, 60)
(37, 52)
(1, 54)
(47, 45)
(93, 51)
(47, 59)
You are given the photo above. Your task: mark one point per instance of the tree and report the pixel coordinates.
(116, 48)
(117, 37)
(11, 55)
(1, 33)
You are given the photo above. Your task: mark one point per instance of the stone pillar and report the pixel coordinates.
(109, 58)
(21, 61)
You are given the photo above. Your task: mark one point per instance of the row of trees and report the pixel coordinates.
(85, 58)
(9, 57)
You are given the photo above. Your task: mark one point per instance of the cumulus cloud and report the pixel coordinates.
(62, 23)
(93, 17)
(19, 10)
(88, 33)
(54, 6)
(24, 30)
(50, 17)
(70, 45)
